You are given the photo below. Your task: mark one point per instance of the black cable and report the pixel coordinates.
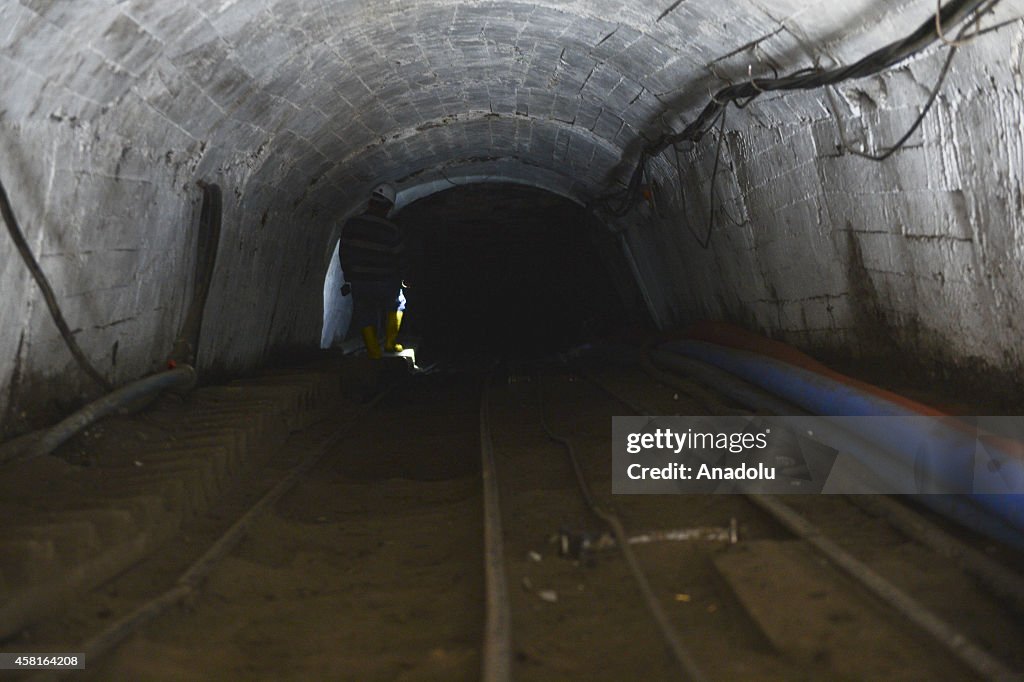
(44, 285)
(679, 652)
(811, 78)
(933, 96)
(918, 121)
(711, 188)
(953, 13)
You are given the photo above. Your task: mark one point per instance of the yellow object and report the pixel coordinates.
(394, 323)
(370, 339)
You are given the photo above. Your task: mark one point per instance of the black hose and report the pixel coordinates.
(182, 375)
(186, 345)
(18, 237)
(46, 441)
(681, 655)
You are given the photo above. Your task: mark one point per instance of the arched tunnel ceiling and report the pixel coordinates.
(110, 111)
(345, 92)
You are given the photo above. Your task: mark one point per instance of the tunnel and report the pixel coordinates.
(771, 187)
(507, 271)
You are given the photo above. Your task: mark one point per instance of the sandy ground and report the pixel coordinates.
(371, 569)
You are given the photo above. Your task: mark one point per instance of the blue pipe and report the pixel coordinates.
(943, 456)
(880, 465)
(889, 473)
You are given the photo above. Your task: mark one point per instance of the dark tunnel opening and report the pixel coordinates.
(506, 271)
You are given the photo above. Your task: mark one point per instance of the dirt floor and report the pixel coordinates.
(368, 570)
(371, 568)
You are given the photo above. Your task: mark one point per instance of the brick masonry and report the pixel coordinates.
(112, 110)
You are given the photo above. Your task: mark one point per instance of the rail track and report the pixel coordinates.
(363, 561)
(909, 612)
(997, 578)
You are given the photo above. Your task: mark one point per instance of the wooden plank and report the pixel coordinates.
(813, 614)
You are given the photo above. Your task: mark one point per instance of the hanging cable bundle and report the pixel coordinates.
(933, 30)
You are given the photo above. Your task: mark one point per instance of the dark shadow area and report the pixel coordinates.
(439, 438)
(506, 271)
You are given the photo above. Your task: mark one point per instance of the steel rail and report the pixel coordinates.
(679, 652)
(957, 643)
(994, 576)
(496, 659)
(190, 582)
(954, 641)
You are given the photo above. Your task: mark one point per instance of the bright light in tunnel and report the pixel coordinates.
(337, 308)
